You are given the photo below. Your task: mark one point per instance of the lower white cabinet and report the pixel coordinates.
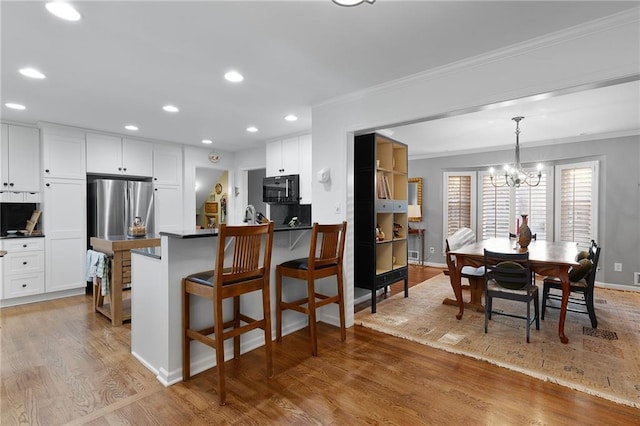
(22, 267)
(64, 220)
(168, 204)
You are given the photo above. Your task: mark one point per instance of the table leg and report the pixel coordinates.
(566, 289)
(456, 284)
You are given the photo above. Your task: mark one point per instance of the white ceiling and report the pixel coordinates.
(124, 60)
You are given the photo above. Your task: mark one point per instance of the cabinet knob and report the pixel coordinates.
(125, 169)
(155, 178)
(47, 171)
(155, 189)
(24, 246)
(47, 184)
(5, 184)
(11, 184)
(119, 169)
(24, 285)
(24, 263)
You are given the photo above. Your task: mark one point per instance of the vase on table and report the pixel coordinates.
(525, 233)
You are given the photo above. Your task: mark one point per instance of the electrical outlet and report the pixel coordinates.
(432, 250)
(636, 278)
(336, 208)
(617, 267)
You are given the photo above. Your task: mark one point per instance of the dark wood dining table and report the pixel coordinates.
(547, 258)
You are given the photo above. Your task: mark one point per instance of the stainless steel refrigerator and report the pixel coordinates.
(113, 205)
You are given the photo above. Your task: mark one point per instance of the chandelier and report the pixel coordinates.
(351, 2)
(515, 175)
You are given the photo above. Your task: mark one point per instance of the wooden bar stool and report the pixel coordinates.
(248, 271)
(325, 260)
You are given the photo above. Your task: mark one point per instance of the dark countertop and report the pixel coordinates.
(202, 233)
(125, 237)
(153, 252)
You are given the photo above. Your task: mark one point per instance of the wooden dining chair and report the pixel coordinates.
(508, 276)
(582, 284)
(326, 250)
(246, 271)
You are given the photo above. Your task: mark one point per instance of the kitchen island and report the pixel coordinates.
(118, 248)
(156, 329)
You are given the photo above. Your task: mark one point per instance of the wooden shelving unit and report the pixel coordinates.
(381, 222)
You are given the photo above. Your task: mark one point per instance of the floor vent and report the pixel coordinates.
(414, 255)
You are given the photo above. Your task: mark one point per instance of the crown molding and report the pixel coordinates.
(619, 19)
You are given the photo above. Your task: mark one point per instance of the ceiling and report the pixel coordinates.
(124, 60)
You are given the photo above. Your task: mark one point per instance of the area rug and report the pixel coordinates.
(603, 361)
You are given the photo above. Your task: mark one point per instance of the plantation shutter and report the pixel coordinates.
(458, 198)
(495, 209)
(532, 200)
(576, 197)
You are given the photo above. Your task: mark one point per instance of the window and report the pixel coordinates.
(502, 207)
(459, 196)
(576, 203)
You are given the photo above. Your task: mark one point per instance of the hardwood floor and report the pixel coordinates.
(63, 364)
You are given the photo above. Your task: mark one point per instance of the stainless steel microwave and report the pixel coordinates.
(281, 189)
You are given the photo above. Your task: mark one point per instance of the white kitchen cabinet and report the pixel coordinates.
(283, 157)
(19, 159)
(306, 174)
(63, 156)
(167, 208)
(112, 155)
(64, 221)
(22, 267)
(292, 156)
(167, 164)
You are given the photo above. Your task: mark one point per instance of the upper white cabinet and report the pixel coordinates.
(283, 157)
(19, 159)
(292, 156)
(63, 156)
(117, 156)
(306, 175)
(167, 164)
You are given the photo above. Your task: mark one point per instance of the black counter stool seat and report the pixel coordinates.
(326, 250)
(248, 271)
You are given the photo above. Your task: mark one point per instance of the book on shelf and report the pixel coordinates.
(381, 188)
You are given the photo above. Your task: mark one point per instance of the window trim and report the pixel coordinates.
(473, 199)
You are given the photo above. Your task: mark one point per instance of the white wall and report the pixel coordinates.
(606, 50)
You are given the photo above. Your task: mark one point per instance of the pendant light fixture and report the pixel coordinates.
(349, 3)
(515, 175)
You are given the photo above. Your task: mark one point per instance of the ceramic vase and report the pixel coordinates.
(525, 233)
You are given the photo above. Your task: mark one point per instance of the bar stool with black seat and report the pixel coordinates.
(246, 271)
(325, 259)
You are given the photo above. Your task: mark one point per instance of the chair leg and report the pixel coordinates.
(218, 329)
(186, 342)
(311, 306)
(545, 294)
(536, 307)
(278, 304)
(591, 309)
(236, 324)
(266, 308)
(343, 329)
(487, 312)
(528, 318)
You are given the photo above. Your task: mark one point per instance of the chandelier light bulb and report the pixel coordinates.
(515, 175)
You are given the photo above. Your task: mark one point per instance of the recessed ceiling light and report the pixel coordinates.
(252, 129)
(63, 10)
(131, 127)
(352, 2)
(291, 117)
(234, 76)
(170, 108)
(207, 141)
(15, 106)
(32, 73)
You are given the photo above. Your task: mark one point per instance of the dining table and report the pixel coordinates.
(547, 258)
